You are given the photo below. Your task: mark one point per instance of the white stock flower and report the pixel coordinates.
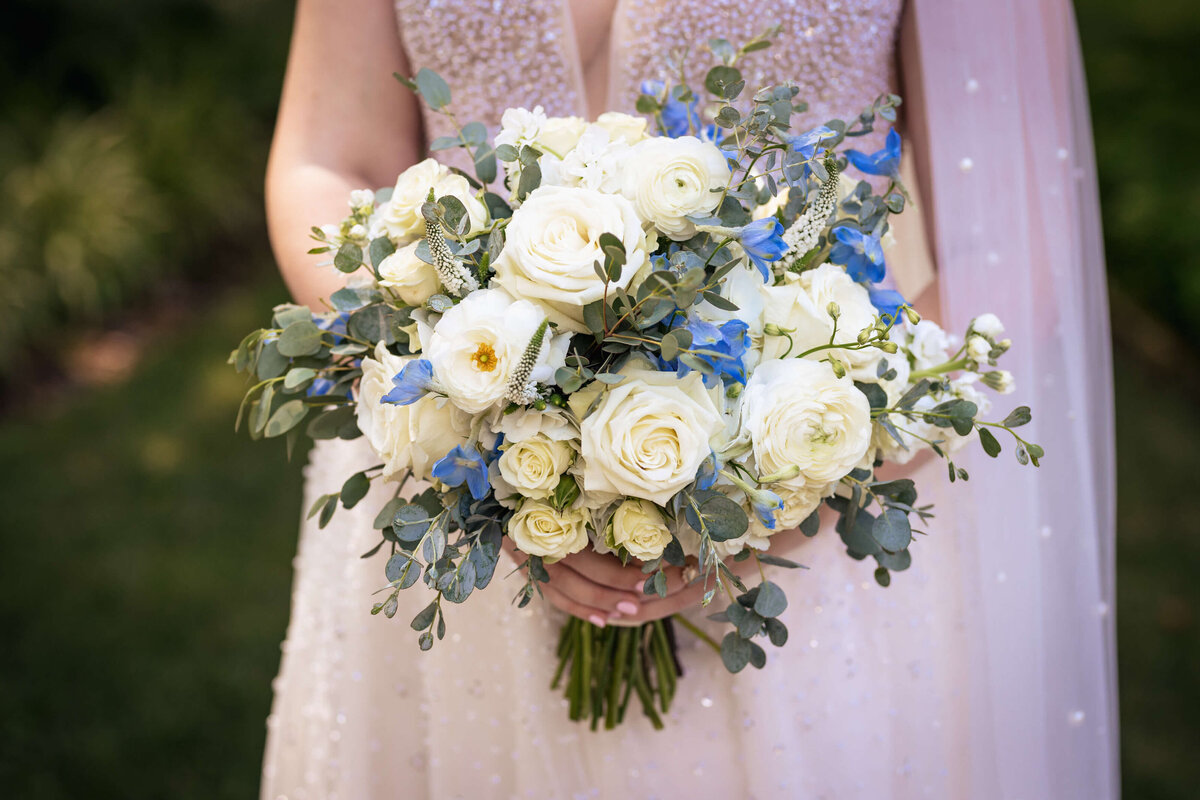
(520, 126)
(596, 162)
(553, 242)
(798, 413)
(929, 345)
(989, 325)
(801, 307)
(533, 466)
(639, 527)
(414, 436)
(648, 435)
(538, 529)
(477, 344)
(409, 277)
(402, 213)
(669, 179)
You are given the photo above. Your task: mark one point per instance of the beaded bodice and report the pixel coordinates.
(501, 53)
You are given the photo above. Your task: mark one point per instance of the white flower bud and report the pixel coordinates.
(988, 325)
(978, 348)
(1000, 379)
(833, 309)
(362, 200)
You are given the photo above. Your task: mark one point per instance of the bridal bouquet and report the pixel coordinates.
(667, 342)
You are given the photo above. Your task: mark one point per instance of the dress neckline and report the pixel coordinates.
(608, 49)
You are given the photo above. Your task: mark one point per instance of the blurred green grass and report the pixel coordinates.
(146, 554)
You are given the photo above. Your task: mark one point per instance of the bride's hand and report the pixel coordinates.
(599, 588)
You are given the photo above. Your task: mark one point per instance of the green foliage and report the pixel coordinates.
(119, 172)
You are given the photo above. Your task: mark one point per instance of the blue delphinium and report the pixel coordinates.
(763, 242)
(462, 465)
(411, 384)
(765, 503)
(706, 474)
(882, 162)
(678, 118)
(725, 348)
(860, 253)
(808, 144)
(335, 325)
(887, 302)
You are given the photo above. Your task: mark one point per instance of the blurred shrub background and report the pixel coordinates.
(146, 549)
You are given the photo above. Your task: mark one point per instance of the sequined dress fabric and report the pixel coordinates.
(862, 700)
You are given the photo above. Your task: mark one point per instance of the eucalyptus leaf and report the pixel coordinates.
(434, 90)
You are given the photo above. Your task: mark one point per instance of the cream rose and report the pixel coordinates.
(402, 214)
(620, 126)
(414, 436)
(801, 307)
(476, 345)
(553, 242)
(798, 413)
(538, 529)
(534, 466)
(559, 134)
(669, 179)
(648, 435)
(639, 527)
(409, 277)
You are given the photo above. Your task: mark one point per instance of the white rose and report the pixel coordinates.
(402, 214)
(929, 345)
(989, 325)
(534, 466)
(553, 242)
(477, 344)
(801, 307)
(625, 127)
(648, 435)
(669, 179)
(414, 436)
(798, 413)
(538, 529)
(559, 134)
(639, 527)
(409, 277)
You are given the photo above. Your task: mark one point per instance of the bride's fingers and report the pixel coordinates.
(586, 592)
(596, 616)
(604, 569)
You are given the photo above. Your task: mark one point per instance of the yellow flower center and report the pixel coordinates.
(484, 358)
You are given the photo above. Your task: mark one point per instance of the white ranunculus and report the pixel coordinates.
(553, 242)
(988, 325)
(639, 527)
(669, 179)
(538, 529)
(648, 435)
(534, 466)
(478, 343)
(801, 307)
(402, 213)
(414, 436)
(624, 127)
(929, 345)
(409, 277)
(798, 413)
(523, 423)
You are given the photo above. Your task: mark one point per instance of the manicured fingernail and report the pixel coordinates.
(640, 586)
(627, 607)
(597, 620)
